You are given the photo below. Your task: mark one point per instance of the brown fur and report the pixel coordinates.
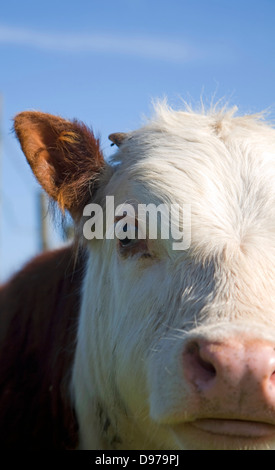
(64, 156)
(39, 311)
(39, 306)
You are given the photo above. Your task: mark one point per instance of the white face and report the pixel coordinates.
(183, 341)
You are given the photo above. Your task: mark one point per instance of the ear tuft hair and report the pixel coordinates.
(64, 156)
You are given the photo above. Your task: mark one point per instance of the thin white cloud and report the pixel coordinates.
(138, 46)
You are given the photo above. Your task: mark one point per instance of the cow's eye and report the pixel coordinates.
(132, 238)
(129, 242)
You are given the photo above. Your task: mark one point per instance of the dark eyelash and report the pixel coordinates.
(127, 241)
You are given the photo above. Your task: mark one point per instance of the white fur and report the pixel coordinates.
(138, 312)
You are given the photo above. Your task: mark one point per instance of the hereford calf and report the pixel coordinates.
(130, 341)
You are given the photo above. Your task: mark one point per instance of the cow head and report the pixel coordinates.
(175, 348)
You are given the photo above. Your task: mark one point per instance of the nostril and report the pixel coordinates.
(272, 378)
(208, 367)
(200, 369)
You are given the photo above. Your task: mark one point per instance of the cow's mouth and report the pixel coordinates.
(234, 427)
(225, 433)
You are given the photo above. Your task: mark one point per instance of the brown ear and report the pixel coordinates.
(64, 156)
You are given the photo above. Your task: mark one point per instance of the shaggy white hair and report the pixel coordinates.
(136, 312)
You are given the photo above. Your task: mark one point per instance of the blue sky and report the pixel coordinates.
(103, 61)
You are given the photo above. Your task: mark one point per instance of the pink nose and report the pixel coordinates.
(240, 370)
